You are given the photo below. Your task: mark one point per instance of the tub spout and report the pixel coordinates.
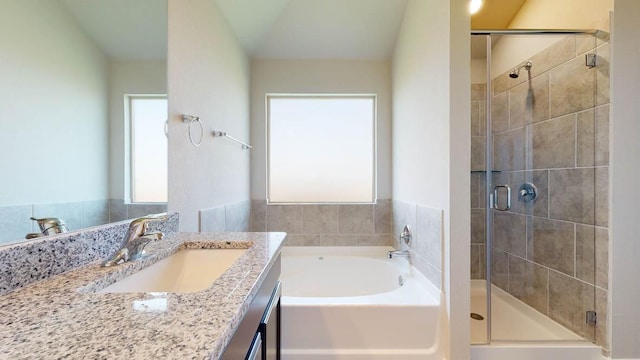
(393, 253)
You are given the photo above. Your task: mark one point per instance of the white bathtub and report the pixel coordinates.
(346, 303)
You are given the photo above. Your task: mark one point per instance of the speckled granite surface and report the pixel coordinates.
(62, 318)
(24, 263)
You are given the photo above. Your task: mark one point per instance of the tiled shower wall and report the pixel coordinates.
(478, 203)
(552, 253)
(326, 225)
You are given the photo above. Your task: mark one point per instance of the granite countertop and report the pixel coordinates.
(62, 317)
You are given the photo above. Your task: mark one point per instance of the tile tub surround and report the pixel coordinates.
(426, 244)
(15, 222)
(226, 218)
(552, 253)
(326, 225)
(25, 263)
(54, 319)
(120, 210)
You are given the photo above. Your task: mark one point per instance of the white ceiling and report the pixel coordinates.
(315, 29)
(251, 19)
(124, 29)
(275, 29)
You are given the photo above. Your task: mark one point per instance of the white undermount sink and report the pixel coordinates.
(188, 270)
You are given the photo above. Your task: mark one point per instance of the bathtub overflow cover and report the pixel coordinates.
(476, 316)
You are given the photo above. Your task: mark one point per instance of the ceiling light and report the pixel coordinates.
(474, 6)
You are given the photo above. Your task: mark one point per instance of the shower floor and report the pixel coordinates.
(513, 320)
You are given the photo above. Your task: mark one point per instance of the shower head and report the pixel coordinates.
(516, 72)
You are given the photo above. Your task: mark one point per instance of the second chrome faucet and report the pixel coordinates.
(136, 240)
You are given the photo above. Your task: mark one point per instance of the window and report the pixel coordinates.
(147, 115)
(321, 148)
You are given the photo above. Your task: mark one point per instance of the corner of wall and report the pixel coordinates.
(208, 77)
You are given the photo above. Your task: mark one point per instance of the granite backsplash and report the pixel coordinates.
(24, 263)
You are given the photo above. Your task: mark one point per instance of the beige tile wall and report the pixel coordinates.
(553, 131)
(326, 225)
(15, 221)
(359, 225)
(499, 112)
(233, 217)
(426, 245)
(119, 210)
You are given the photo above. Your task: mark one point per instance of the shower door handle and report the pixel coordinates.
(496, 201)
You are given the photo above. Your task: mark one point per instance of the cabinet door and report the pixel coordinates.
(270, 326)
(255, 352)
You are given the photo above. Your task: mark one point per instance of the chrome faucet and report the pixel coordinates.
(136, 240)
(48, 226)
(393, 253)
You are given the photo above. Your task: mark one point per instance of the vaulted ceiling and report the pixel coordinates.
(312, 29)
(124, 29)
(496, 14)
(275, 29)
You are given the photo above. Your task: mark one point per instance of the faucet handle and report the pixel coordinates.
(156, 235)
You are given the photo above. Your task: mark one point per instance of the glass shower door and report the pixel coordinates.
(544, 213)
(543, 120)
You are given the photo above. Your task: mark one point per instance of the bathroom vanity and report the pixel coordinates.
(66, 316)
(258, 336)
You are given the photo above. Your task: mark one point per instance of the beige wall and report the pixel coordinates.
(208, 76)
(456, 249)
(54, 87)
(431, 77)
(625, 171)
(128, 77)
(421, 107)
(319, 76)
(563, 14)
